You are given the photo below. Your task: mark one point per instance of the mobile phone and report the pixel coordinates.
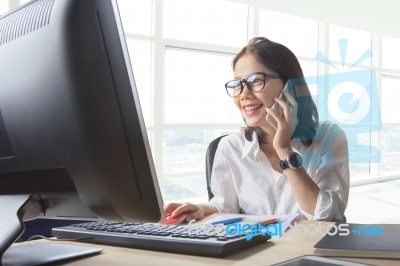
(278, 109)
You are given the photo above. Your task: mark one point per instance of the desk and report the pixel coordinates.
(273, 251)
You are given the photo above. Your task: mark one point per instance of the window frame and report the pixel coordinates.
(161, 44)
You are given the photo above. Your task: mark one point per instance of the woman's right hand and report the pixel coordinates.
(194, 211)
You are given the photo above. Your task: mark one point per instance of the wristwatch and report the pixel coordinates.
(293, 161)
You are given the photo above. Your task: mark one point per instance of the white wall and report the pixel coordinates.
(377, 16)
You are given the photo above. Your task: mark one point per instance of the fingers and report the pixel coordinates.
(280, 117)
(194, 217)
(285, 108)
(177, 208)
(170, 207)
(185, 207)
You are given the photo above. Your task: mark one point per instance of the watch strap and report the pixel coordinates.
(285, 164)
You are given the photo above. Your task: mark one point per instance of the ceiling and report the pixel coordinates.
(380, 17)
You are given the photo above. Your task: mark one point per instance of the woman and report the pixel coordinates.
(285, 161)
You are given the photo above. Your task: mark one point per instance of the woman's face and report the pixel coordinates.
(252, 104)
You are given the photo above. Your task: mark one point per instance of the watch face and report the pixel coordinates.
(295, 160)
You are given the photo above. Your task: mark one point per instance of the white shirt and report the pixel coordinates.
(243, 179)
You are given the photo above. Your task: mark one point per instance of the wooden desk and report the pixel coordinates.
(273, 251)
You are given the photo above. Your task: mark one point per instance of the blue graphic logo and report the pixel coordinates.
(350, 99)
(368, 231)
(251, 230)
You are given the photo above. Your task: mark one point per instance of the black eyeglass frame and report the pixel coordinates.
(249, 85)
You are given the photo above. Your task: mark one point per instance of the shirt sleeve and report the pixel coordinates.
(225, 196)
(332, 177)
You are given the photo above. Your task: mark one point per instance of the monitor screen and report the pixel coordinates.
(72, 134)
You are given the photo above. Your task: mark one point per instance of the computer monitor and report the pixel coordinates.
(73, 142)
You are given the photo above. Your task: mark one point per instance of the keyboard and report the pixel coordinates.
(208, 240)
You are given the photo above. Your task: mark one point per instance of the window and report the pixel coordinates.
(349, 84)
(299, 34)
(390, 141)
(181, 52)
(195, 92)
(348, 45)
(3, 6)
(193, 96)
(391, 97)
(207, 21)
(390, 53)
(184, 162)
(137, 16)
(309, 68)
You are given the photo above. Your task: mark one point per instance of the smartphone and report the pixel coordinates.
(278, 109)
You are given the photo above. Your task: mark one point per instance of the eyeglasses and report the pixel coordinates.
(255, 82)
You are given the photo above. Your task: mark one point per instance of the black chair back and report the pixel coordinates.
(210, 154)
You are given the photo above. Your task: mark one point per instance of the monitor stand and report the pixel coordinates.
(13, 209)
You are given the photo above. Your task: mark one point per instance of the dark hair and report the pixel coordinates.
(283, 62)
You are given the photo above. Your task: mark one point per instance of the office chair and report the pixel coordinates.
(210, 154)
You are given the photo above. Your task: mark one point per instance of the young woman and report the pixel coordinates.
(285, 161)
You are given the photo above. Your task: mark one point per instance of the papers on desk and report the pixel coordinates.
(275, 224)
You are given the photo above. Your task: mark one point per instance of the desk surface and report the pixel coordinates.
(273, 251)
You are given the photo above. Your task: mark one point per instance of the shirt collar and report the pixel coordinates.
(251, 146)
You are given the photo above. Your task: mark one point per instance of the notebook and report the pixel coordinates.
(361, 240)
(33, 254)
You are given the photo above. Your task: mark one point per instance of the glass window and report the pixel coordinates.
(390, 107)
(299, 34)
(3, 6)
(191, 187)
(354, 47)
(207, 21)
(136, 16)
(359, 160)
(184, 153)
(390, 52)
(194, 88)
(359, 171)
(140, 53)
(390, 165)
(336, 103)
(309, 68)
(390, 140)
(390, 147)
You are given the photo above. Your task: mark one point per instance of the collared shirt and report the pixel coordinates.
(243, 179)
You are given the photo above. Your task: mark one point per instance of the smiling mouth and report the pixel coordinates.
(252, 107)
